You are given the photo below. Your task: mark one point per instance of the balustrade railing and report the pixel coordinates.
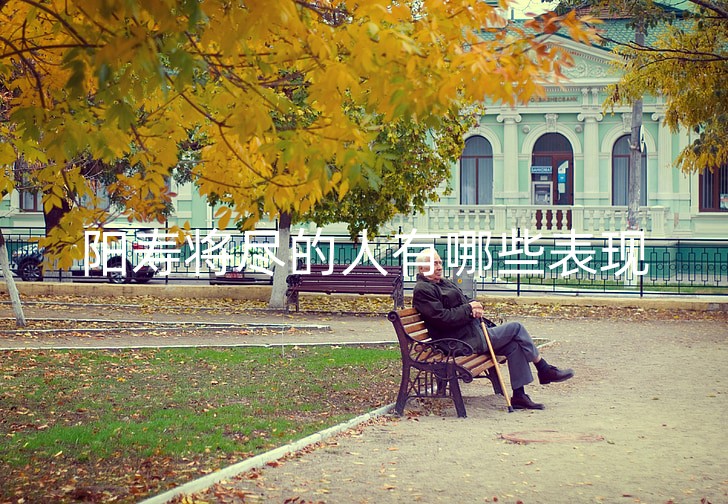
(546, 220)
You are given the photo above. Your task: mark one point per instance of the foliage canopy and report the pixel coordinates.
(269, 87)
(688, 66)
(685, 62)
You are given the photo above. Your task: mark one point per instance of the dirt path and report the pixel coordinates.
(100, 326)
(644, 420)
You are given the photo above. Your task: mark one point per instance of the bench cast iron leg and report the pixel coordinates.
(457, 398)
(403, 387)
(497, 390)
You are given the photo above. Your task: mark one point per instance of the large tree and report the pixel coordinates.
(687, 64)
(685, 60)
(413, 164)
(641, 15)
(130, 79)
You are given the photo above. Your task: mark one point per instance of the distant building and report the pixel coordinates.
(559, 162)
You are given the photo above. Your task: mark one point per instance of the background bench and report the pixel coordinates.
(434, 368)
(361, 280)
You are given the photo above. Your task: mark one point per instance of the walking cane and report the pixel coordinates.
(497, 367)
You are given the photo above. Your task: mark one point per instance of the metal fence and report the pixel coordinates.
(611, 264)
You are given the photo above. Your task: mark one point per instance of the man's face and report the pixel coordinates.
(436, 274)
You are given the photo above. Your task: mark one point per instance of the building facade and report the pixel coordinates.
(561, 162)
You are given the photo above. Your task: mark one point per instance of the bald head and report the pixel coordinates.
(429, 264)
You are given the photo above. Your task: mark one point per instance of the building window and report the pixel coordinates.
(714, 190)
(476, 172)
(101, 191)
(30, 197)
(620, 173)
(31, 201)
(552, 164)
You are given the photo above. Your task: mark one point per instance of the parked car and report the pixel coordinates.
(234, 274)
(27, 263)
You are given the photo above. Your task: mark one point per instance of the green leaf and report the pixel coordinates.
(7, 154)
(122, 114)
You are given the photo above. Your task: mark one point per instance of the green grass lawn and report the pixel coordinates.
(124, 424)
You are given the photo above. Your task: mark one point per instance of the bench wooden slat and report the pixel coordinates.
(422, 337)
(416, 327)
(408, 312)
(478, 370)
(469, 361)
(428, 355)
(408, 321)
(370, 289)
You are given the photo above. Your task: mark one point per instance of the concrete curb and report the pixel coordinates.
(667, 302)
(171, 290)
(202, 345)
(262, 459)
(262, 293)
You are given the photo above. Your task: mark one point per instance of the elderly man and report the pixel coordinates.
(448, 313)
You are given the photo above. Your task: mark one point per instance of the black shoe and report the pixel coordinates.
(525, 402)
(554, 374)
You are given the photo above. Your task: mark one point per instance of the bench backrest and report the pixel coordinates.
(359, 269)
(408, 323)
(410, 329)
(364, 279)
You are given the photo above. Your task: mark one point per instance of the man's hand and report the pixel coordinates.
(478, 310)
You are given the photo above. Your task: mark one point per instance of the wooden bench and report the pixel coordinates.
(361, 280)
(434, 368)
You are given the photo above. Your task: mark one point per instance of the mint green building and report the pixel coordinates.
(560, 162)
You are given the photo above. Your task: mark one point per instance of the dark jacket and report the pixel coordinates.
(447, 312)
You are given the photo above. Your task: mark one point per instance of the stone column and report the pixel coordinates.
(687, 193)
(590, 115)
(664, 172)
(591, 155)
(510, 119)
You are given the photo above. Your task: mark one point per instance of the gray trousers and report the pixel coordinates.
(513, 341)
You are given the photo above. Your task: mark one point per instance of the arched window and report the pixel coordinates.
(476, 172)
(552, 162)
(620, 173)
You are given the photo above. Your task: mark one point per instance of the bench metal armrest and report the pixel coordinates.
(444, 349)
(452, 347)
(438, 356)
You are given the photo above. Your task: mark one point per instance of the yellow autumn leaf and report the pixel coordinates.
(271, 93)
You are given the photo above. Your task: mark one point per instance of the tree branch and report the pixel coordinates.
(709, 57)
(54, 15)
(334, 16)
(712, 7)
(31, 69)
(19, 52)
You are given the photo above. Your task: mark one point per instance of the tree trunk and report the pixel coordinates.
(10, 282)
(53, 217)
(278, 293)
(634, 182)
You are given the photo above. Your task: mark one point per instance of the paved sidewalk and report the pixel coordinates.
(137, 329)
(642, 421)
(141, 325)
